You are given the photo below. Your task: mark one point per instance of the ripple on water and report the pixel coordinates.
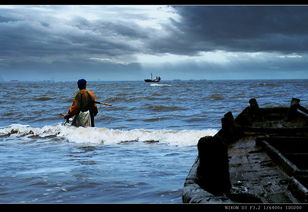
(163, 107)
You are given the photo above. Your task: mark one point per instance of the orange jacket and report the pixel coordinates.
(80, 98)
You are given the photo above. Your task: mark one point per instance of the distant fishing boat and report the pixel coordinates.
(157, 79)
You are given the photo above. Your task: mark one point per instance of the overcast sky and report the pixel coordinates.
(113, 42)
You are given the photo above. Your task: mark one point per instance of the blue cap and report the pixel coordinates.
(81, 82)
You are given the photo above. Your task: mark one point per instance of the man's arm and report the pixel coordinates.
(74, 109)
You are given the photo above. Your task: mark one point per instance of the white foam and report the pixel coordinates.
(159, 85)
(109, 136)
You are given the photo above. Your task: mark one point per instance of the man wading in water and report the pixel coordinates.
(83, 107)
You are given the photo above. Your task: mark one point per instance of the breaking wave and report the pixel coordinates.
(159, 85)
(106, 136)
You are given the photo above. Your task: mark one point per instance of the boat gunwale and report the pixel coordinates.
(231, 126)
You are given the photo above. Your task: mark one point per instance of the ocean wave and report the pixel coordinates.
(268, 84)
(117, 99)
(96, 136)
(264, 84)
(163, 107)
(197, 119)
(122, 98)
(8, 113)
(43, 99)
(155, 119)
(216, 97)
(156, 98)
(159, 85)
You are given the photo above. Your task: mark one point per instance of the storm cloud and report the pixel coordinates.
(201, 41)
(51, 39)
(240, 28)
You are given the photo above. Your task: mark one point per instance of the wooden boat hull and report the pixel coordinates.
(267, 154)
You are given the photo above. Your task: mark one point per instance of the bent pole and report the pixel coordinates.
(103, 103)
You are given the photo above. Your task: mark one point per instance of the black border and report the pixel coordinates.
(152, 2)
(142, 207)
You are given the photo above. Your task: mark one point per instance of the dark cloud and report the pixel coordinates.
(5, 19)
(51, 39)
(38, 42)
(237, 28)
(26, 36)
(120, 28)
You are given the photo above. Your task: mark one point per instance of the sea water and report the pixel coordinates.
(141, 149)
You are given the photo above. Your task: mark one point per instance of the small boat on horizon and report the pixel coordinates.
(157, 79)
